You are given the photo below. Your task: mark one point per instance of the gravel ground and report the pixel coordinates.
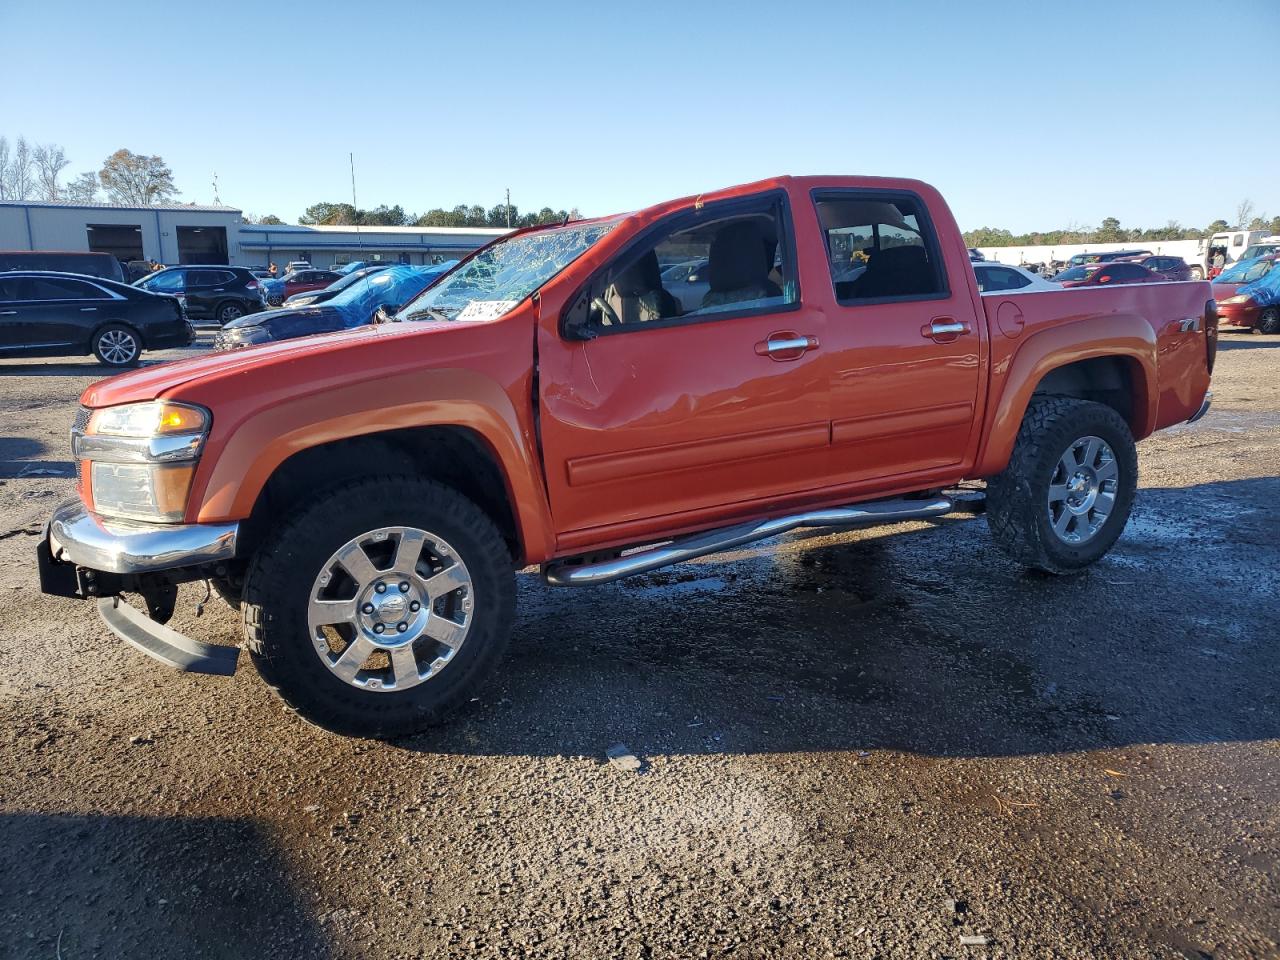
(873, 744)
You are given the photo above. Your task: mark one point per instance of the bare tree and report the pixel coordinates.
(20, 176)
(1244, 213)
(4, 169)
(83, 189)
(133, 178)
(50, 160)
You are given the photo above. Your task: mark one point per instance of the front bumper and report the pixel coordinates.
(86, 556)
(1238, 314)
(84, 539)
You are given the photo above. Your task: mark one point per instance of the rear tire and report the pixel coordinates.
(1197, 273)
(1269, 320)
(117, 345)
(227, 312)
(323, 672)
(1066, 495)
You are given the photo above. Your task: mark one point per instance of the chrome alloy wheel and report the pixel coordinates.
(118, 346)
(1082, 490)
(390, 609)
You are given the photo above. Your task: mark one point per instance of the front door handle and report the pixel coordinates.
(8, 313)
(88, 309)
(944, 330)
(786, 346)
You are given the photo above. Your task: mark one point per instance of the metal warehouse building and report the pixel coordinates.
(180, 233)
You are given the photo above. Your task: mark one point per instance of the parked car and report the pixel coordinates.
(353, 307)
(1106, 256)
(1115, 271)
(1255, 304)
(297, 265)
(299, 281)
(1166, 267)
(102, 265)
(998, 277)
(310, 297)
(1228, 283)
(367, 497)
(215, 293)
(48, 314)
(355, 265)
(976, 255)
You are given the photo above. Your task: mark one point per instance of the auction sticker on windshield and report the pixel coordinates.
(485, 309)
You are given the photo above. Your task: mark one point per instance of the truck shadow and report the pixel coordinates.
(927, 641)
(127, 886)
(1247, 341)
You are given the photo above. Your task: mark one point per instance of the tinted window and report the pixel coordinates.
(1126, 271)
(48, 288)
(879, 247)
(747, 267)
(11, 289)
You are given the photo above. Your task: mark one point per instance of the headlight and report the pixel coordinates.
(1239, 298)
(140, 458)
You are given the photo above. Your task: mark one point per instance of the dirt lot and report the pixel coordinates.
(855, 745)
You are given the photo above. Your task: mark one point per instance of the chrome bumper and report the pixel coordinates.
(130, 546)
(1204, 407)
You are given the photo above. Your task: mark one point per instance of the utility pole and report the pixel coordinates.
(217, 201)
(508, 208)
(355, 207)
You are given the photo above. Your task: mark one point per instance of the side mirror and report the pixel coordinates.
(693, 278)
(577, 326)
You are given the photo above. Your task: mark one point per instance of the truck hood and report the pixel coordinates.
(154, 382)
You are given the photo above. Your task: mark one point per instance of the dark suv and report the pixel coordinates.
(214, 293)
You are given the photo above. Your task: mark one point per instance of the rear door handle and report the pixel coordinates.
(88, 309)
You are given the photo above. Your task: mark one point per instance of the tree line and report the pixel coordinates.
(1112, 232)
(463, 215)
(34, 171)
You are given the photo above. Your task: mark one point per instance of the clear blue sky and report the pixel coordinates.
(1027, 116)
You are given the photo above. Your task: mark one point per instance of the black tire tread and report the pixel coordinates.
(268, 572)
(1014, 508)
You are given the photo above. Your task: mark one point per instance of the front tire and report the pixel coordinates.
(380, 607)
(1269, 320)
(1066, 495)
(116, 345)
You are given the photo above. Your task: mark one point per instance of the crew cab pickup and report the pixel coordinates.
(565, 398)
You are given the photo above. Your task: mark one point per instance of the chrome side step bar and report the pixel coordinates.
(567, 573)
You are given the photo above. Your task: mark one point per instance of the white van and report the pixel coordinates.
(1231, 243)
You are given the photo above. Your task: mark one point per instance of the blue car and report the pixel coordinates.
(353, 307)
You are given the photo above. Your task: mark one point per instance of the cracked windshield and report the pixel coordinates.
(497, 279)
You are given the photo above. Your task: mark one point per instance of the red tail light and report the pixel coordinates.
(252, 285)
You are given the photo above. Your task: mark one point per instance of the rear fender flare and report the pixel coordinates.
(1127, 336)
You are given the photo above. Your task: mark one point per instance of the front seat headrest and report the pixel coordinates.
(738, 257)
(641, 277)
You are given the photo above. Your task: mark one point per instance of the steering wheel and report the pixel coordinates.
(610, 316)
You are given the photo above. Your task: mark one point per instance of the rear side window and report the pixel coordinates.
(880, 246)
(49, 288)
(10, 289)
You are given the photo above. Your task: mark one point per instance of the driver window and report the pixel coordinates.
(701, 268)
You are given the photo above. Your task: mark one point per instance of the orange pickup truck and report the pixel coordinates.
(601, 398)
